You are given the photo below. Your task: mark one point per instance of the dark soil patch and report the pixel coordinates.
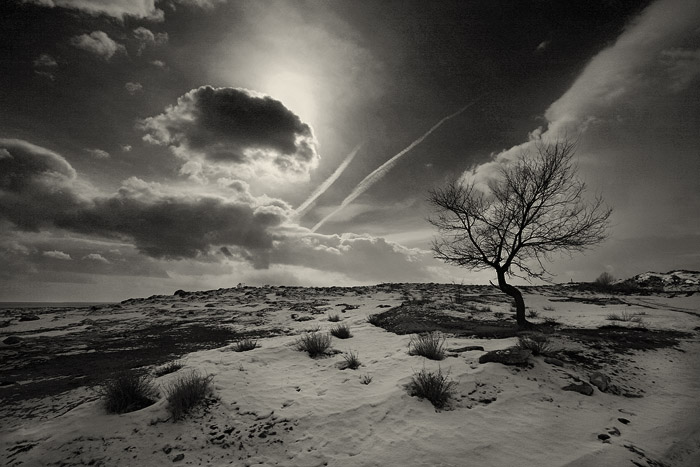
(46, 373)
(600, 301)
(411, 318)
(623, 339)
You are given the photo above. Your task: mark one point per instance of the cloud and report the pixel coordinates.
(133, 88)
(98, 43)
(381, 171)
(158, 63)
(683, 67)
(360, 257)
(98, 153)
(235, 126)
(40, 192)
(43, 64)
(207, 4)
(163, 223)
(45, 60)
(126, 147)
(321, 189)
(96, 257)
(57, 255)
(142, 9)
(146, 38)
(36, 184)
(629, 70)
(542, 46)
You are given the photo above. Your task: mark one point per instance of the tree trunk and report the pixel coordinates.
(517, 296)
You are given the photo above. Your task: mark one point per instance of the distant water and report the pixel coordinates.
(6, 305)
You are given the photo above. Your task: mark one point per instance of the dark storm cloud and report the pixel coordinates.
(39, 188)
(35, 184)
(237, 126)
(176, 227)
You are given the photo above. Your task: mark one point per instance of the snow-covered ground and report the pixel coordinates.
(277, 406)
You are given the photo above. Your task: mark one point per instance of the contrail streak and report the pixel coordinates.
(383, 169)
(329, 181)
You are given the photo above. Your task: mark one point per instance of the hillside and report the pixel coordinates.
(275, 405)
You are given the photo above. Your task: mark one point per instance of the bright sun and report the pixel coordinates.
(295, 91)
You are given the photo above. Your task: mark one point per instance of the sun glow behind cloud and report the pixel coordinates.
(295, 89)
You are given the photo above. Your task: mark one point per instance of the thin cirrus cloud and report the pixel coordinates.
(98, 43)
(381, 171)
(235, 126)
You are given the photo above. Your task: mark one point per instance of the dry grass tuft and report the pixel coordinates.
(315, 344)
(433, 386)
(341, 331)
(127, 392)
(245, 345)
(186, 393)
(430, 345)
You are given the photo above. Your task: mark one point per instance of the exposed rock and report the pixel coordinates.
(583, 388)
(553, 361)
(12, 340)
(599, 380)
(510, 356)
(467, 349)
(181, 293)
(603, 437)
(624, 421)
(178, 458)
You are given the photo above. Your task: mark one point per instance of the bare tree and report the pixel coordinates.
(535, 207)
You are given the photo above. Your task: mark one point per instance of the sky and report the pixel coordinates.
(154, 145)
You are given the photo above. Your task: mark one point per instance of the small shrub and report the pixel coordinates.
(532, 314)
(314, 344)
(548, 308)
(334, 318)
(341, 331)
(500, 314)
(365, 379)
(605, 280)
(245, 345)
(551, 321)
(538, 344)
(625, 316)
(186, 393)
(351, 360)
(373, 319)
(434, 386)
(170, 367)
(428, 345)
(127, 392)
